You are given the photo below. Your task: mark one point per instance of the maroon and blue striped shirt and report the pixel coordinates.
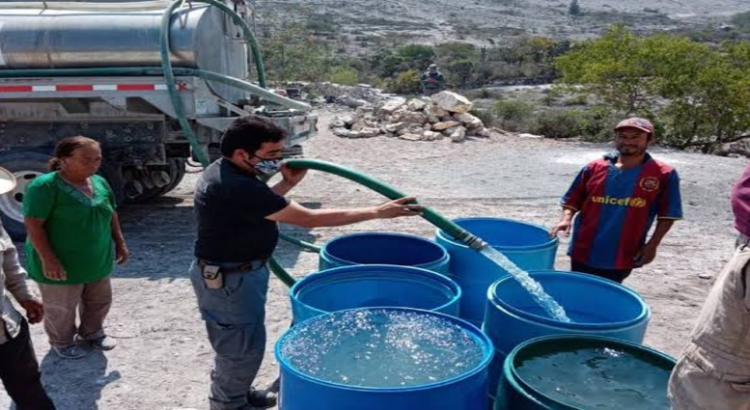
(616, 208)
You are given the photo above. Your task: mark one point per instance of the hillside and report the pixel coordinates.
(490, 22)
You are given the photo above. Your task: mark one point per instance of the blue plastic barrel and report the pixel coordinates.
(516, 391)
(596, 307)
(301, 391)
(528, 246)
(384, 248)
(361, 286)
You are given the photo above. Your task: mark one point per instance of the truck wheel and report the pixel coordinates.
(177, 172)
(25, 166)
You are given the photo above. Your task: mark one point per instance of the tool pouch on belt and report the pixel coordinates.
(212, 276)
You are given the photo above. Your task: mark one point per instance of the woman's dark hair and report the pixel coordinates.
(66, 148)
(249, 133)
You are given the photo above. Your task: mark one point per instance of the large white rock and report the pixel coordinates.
(452, 102)
(442, 126)
(410, 129)
(395, 127)
(411, 137)
(431, 136)
(342, 121)
(364, 122)
(433, 110)
(469, 120)
(413, 117)
(481, 132)
(390, 106)
(369, 132)
(459, 134)
(416, 104)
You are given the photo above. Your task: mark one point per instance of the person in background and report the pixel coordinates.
(615, 200)
(713, 372)
(72, 225)
(432, 81)
(19, 369)
(237, 215)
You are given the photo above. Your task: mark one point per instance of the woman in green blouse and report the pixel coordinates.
(72, 224)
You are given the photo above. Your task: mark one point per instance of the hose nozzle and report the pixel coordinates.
(474, 242)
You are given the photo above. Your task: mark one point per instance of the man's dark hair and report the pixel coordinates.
(249, 133)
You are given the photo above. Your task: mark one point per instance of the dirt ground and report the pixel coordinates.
(163, 358)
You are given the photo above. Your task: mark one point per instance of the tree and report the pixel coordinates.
(574, 9)
(701, 92)
(406, 83)
(708, 91)
(742, 20)
(416, 56)
(460, 72)
(614, 67)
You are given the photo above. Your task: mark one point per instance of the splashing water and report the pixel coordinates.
(534, 288)
(598, 378)
(382, 348)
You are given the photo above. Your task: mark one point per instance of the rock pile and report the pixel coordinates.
(444, 115)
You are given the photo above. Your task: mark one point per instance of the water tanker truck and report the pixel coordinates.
(156, 83)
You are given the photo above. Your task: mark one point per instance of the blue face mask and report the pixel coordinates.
(266, 166)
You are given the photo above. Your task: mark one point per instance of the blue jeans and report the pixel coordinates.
(235, 321)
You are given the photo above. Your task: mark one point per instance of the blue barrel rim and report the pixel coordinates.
(551, 242)
(645, 313)
(327, 274)
(324, 250)
(509, 366)
(480, 336)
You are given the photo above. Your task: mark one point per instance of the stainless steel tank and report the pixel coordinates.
(200, 37)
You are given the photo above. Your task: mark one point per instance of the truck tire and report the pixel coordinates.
(176, 174)
(27, 165)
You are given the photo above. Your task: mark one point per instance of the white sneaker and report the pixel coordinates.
(103, 343)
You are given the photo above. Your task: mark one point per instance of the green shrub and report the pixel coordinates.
(486, 115)
(482, 93)
(742, 20)
(514, 115)
(417, 56)
(580, 99)
(344, 76)
(321, 23)
(574, 9)
(406, 83)
(559, 124)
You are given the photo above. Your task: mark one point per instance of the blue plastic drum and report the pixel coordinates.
(383, 358)
(528, 246)
(361, 286)
(596, 307)
(384, 248)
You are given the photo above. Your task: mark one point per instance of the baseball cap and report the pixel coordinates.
(7, 181)
(637, 123)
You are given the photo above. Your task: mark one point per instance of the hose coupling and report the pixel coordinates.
(474, 242)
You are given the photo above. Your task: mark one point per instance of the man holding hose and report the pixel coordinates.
(237, 215)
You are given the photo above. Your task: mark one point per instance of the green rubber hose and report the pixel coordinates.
(281, 273)
(388, 191)
(174, 96)
(299, 242)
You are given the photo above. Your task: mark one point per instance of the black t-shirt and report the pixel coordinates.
(231, 207)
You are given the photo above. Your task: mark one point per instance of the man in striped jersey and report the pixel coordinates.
(616, 200)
